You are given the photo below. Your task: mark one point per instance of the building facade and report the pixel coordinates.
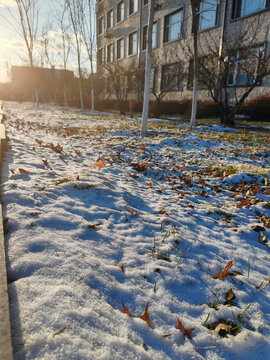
(122, 38)
(50, 83)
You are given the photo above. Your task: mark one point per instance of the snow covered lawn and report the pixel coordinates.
(103, 227)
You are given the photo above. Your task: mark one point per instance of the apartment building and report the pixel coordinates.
(122, 38)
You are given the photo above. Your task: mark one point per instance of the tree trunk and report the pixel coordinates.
(195, 17)
(226, 117)
(148, 70)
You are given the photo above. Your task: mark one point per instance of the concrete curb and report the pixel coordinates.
(5, 330)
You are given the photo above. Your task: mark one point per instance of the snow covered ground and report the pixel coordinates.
(100, 222)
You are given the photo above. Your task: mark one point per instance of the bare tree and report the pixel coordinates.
(74, 10)
(65, 46)
(28, 27)
(50, 52)
(232, 73)
(171, 74)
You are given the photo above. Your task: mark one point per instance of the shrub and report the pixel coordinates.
(257, 108)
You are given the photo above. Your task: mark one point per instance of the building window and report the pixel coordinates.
(101, 25)
(110, 19)
(132, 43)
(120, 49)
(171, 77)
(244, 69)
(173, 26)
(208, 66)
(120, 11)
(208, 14)
(248, 7)
(133, 6)
(154, 36)
(101, 56)
(110, 53)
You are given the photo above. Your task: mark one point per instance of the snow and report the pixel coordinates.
(161, 208)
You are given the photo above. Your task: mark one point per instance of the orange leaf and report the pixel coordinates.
(99, 164)
(200, 181)
(132, 212)
(256, 190)
(125, 310)
(145, 315)
(34, 213)
(22, 171)
(208, 149)
(224, 272)
(134, 176)
(187, 332)
(243, 203)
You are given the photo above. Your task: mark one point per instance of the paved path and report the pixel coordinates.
(5, 332)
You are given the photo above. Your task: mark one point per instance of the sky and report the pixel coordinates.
(13, 49)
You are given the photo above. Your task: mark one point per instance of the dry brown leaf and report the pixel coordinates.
(187, 332)
(225, 271)
(61, 330)
(230, 295)
(145, 315)
(125, 310)
(22, 171)
(34, 213)
(122, 267)
(94, 226)
(258, 228)
(99, 164)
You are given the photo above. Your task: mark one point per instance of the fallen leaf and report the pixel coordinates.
(230, 295)
(258, 228)
(145, 315)
(61, 330)
(22, 171)
(45, 162)
(187, 332)
(99, 164)
(166, 335)
(242, 204)
(225, 271)
(122, 267)
(34, 213)
(132, 212)
(265, 220)
(94, 226)
(134, 176)
(125, 310)
(262, 238)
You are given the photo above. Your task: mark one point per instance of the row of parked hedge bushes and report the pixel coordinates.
(257, 108)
